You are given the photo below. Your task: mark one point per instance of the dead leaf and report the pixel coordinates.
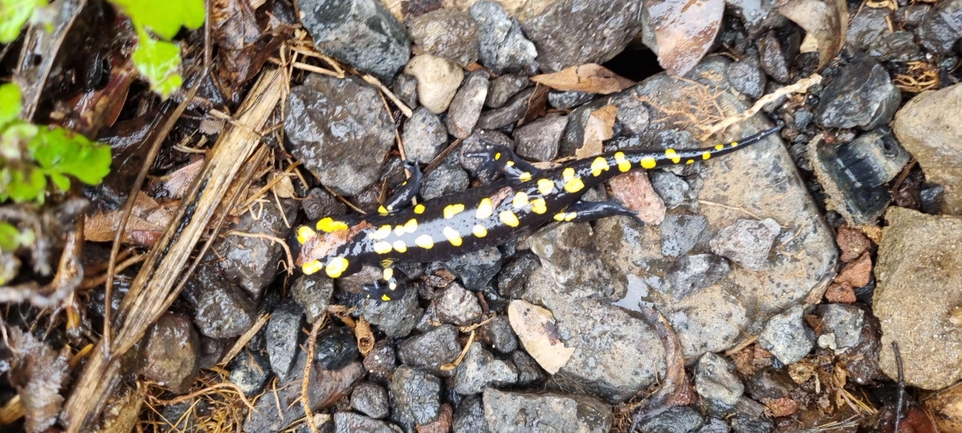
(147, 220)
(635, 191)
(284, 188)
(538, 332)
(598, 128)
(825, 20)
(536, 105)
(685, 31)
(175, 184)
(588, 78)
(38, 373)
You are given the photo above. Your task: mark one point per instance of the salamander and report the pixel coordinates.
(523, 201)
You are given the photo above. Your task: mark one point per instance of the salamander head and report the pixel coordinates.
(317, 247)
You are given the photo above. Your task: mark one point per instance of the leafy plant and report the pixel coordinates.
(11, 238)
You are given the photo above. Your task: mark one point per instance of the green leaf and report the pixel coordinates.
(159, 62)
(27, 185)
(10, 103)
(9, 237)
(164, 17)
(14, 14)
(58, 152)
(62, 182)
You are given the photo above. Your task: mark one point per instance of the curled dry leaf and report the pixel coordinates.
(598, 128)
(588, 78)
(38, 373)
(147, 220)
(538, 332)
(825, 20)
(685, 31)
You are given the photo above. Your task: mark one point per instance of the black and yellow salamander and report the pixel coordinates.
(525, 200)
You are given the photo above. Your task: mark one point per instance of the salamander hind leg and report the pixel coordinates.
(408, 190)
(386, 289)
(593, 210)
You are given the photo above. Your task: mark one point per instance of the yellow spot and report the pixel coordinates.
(560, 216)
(485, 209)
(509, 163)
(568, 173)
(411, 226)
(706, 155)
(424, 241)
(385, 297)
(382, 232)
(453, 236)
(509, 218)
(690, 161)
(565, 216)
(570, 216)
(328, 225)
(453, 209)
(400, 246)
(382, 247)
(648, 162)
(524, 177)
(399, 230)
(575, 185)
(719, 146)
(387, 274)
(734, 143)
(391, 285)
(312, 267)
(598, 165)
(336, 267)
(623, 164)
(538, 206)
(419, 209)
(497, 156)
(545, 186)
(382, 210)
(479, 231)
(304, 233)
(386, 263)
(672, 155)
(520, 200)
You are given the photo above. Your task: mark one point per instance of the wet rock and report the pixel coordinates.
(446, 179)
(424, 136)
(416, 396)
(503, 46)
(772, 58)
(319, 203)
(335, 348)
(676, 419)
(694, 272)
(347, 422)
(339, 130)
(513, 279)
(325, 387)
(406, 89)
(930, 131)
(786, 336)
(862, 360)
(212, 350)
(528, 369)
(932, 197)
(221, 309)
(758, 15)
(371, 400)
(477, 268)
(634, 190)
(538, 140)
(313, 295)
(498, 334)
(746, 77)
(897, 46)
(861, 95)
(568, 100)
(507, 114)
(251, 262)
(504, 87)
(912, 15)
(559, 29)
(769, 383)
(431, 350)
(380, 362)
(749, 417)
(476, 142)
(844, 324)
(679, 233)
(362, 33)
(511, 412)
(170, 356)
(397, 318)
(567, 255)
(250, 372)
(122, 413)
(466, 107)
(746, 242)
(469, 418)
(716, 381)
(857, 273)
(458, 306)
(715, 425)
(633, 115)
(916, 304)
(671, 188)
(438, 81)
(479, 369)
(283, 333)
(446, 33)
(867, 26)
(940, 28)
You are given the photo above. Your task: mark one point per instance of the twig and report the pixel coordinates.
(452, 365)
(306, 381)
(244, 339)
(800, 86)
(390, 95)
(900, 402)
(275, 239)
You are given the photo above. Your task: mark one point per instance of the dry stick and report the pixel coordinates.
(390, 95)
(306, 381)
(800, 86)
(900, 402)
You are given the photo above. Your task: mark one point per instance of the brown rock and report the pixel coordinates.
(852, 242)
(840, 293)
(857, 273)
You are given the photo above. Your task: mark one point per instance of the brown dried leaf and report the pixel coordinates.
(538, 332)
(175, 184)
(598, 128)
(38, 373)
(284, 188)
(825, 20)
(147, 217)
(685, 31)
(588, 78)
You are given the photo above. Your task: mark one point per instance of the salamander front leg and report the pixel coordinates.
(593, 210)
(386, 289)
(506, 160)
(409, 189)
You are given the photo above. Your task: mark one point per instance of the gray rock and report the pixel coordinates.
(477, 268)
(772, 58)
(758, 15)
(568, 100)
(559, 29)
(538, 140)
(916, 299)
(897, 46)
(339, 130)
(466, 107)
(479, 369)
(844, 322)
(283, 333)
(250, 372)
(362, 33)
(446, 179)
(633, 115)
(458, 306)
(787, 337)
(694, 272)
(431, 350)
(513, 280)
(406, 89)
(446, 33)
(679, 233)
(867, 26)
(912, 15)
(476, 143)
(396, 318)
(221, 309)
(747, 242)
(715, 380)
(504, 87)
(424, 136)
(319, 203)
(503, 46)
(749, 417)
(940, 28)
(929, 129)
(714, 425)
(769, 383)
(438, 81)
(671, 188)
(347, 422)
(381, 361)
(528, 369)
(499, 335)
(371, 400)
(469, 418)
(170, 356)
(416, 397)
(313, 295)
(335, 348)
(746, 77)
(251, 262)
(511, 412)
(676, 419)
(861, 95)
(508, 114)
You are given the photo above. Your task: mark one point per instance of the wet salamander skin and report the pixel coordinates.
(488, 215)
